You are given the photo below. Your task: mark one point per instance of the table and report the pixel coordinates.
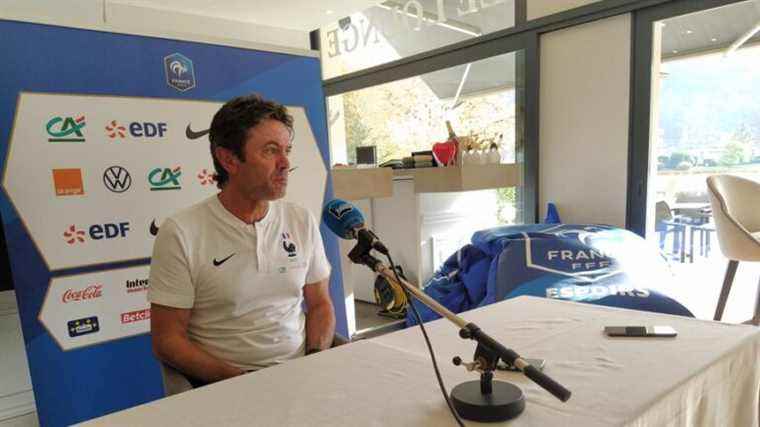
(709, 375)
(679, 237)
(692, 209)
(704, 230)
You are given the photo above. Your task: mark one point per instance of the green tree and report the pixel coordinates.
(678, 158)
(743, 134)
(733, 155)
(357, 132)
(505, 203)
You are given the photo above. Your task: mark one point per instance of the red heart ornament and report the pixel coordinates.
(445, 152)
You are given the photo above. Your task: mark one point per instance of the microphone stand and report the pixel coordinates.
(484, 400)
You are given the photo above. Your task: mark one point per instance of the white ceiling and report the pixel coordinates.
(710, 29)
(303, 15)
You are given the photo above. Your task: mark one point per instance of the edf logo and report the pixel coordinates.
(147, 130)
(109, 230)
(136, 130)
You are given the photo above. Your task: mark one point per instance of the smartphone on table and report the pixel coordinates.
(640, 331)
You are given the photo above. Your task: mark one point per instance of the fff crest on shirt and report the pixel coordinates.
(289, 246)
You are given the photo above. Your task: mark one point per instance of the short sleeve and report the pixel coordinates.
(170, 278)
(319, 267)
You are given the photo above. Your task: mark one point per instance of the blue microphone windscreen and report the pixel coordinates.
(341, 217)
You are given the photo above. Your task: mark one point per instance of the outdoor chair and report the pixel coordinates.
(736, 208)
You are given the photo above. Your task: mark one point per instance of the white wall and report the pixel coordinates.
(123, 18)
(584, 95)
(541, 8)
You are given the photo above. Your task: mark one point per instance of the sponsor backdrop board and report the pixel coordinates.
(104, 136)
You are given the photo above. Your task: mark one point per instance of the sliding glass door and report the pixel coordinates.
(695, 115)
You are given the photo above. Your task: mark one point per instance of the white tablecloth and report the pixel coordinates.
(709, 375)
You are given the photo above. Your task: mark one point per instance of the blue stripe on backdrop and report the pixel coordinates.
(88, 382)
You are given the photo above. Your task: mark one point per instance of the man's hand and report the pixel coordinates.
(172, 346)
(320, 316)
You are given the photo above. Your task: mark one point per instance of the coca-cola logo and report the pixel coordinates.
(90, 292)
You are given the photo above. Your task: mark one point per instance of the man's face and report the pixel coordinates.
(263, 173)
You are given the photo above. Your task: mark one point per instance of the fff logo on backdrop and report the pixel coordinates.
(180, 73)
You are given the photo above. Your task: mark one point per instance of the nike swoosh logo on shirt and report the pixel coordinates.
(217, 263)
(190, 134)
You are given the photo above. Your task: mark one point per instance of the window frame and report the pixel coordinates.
(523, 37)
(523, 43)
(641, 98)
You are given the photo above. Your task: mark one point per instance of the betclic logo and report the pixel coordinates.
(144, 131)
(107, 231)
(135, 316)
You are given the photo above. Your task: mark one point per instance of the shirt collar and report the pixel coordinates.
(229, 218)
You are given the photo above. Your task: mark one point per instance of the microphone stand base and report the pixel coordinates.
(505, 402)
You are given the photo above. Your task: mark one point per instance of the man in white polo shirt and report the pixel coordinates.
(230, 276)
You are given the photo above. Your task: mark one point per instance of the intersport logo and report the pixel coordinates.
(90, 292)
(137, 285)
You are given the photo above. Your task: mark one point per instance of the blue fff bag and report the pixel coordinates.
(595, 264)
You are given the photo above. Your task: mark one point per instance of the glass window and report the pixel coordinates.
(396, 29)
(410, 115)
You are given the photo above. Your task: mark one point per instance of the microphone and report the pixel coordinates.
(483, 400)
(347, 222)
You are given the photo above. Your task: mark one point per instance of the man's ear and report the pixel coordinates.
(229, 161)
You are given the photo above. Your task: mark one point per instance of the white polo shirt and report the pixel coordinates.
(242, 281)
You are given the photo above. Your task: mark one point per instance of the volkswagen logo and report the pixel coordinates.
(117, 179)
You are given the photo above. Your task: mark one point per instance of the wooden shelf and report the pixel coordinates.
(362, 183)
(354, 184)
